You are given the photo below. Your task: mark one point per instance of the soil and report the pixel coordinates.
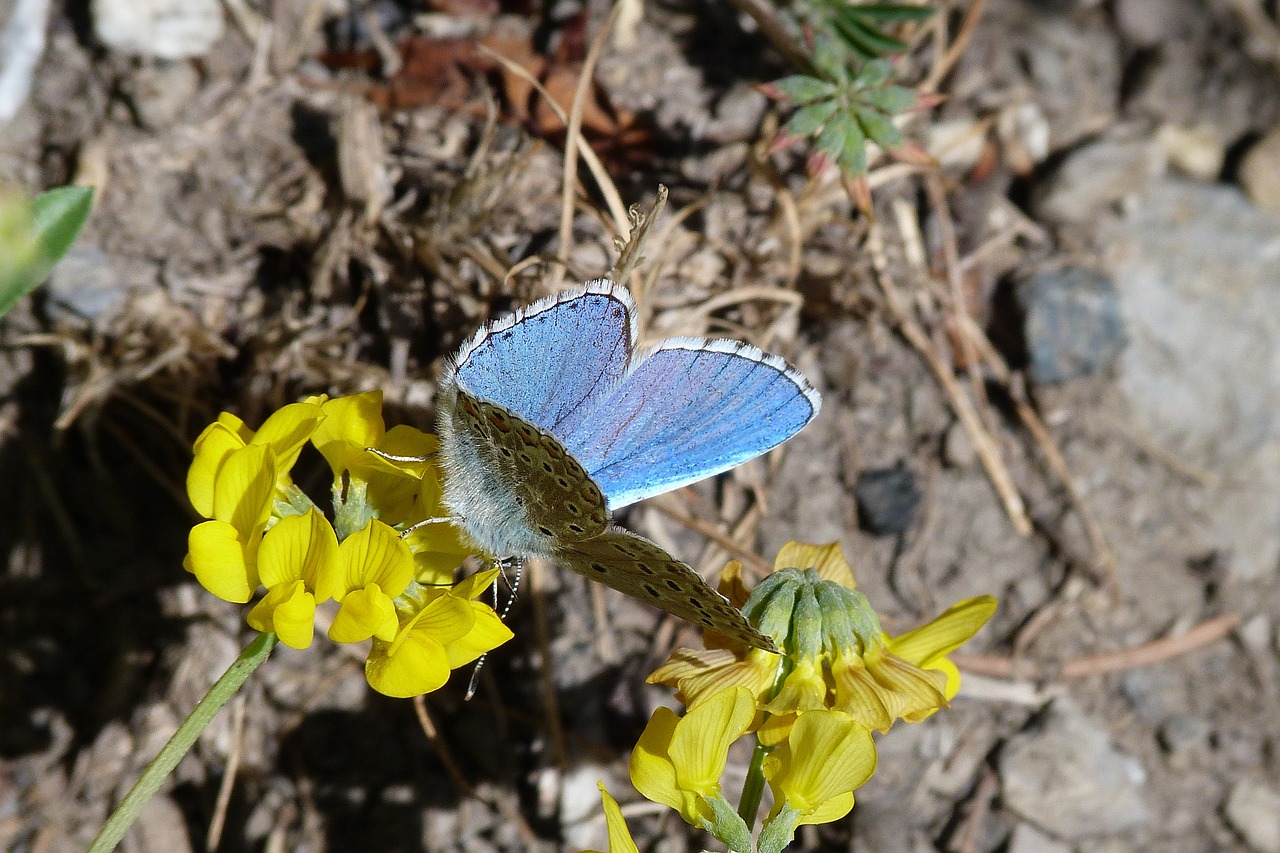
(281, 217)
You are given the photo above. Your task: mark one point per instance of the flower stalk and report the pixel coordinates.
(180, 744)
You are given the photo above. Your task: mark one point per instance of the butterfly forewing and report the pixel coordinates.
(550, 363)
(637, 567)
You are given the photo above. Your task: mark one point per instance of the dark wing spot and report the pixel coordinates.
(696, 603)
(674, 586)
(526, 458)
(546, 466)
(596, 567)
(506, 451)
(576, 529)
(545, 531)
(653, 593)
(562, 482)
(644, 567)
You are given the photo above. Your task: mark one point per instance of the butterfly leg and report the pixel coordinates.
(391, 457)
(442, 519)
(516, 566)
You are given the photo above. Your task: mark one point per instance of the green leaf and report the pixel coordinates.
(854, 156)
(35, 235)
(833, 136)
(806, 121)
(893, 13)
(59, 215)
(890, 100)
(866, 40)
(801, 88)
(875, 73)
(880, 129)
(829, 58)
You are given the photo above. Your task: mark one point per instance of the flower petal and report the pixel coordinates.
(945, 634)
(212, 448)
(242, 492)
(366, 612)
(416, 665)
(620, 840)
(300, 548)
(374, 554)
(290, 611)
(287, 429)
(827, 559)
(652, 772)
(827, 755)
(486, 634)
(351, 425)
(700, 746)
(216, 556)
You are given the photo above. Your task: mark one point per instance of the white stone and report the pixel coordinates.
(164, 29)
(1253, 810)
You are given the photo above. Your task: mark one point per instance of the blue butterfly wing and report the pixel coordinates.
(690, 409)
(551, 362)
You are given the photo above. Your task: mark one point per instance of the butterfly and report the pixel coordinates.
(551, 419)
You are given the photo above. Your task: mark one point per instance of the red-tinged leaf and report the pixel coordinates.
(782, 141)
(860, 194)
(929, 100)
(817, 163)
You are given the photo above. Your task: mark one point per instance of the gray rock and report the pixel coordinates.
(1260, 172)
(1198, 272)
(1253, 810)
(1067, 778)
(1185, 737)
(1073, 326)
(1099, 176)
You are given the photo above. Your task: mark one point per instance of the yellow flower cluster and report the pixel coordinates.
(812, 708)
(264, 533)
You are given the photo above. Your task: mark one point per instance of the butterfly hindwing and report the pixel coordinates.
(689, 409)
(639, 568)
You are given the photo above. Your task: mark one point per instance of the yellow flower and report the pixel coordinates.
(835, 654)
(297, 563)
(374, 566)
(235, 479)
(438, 631)
(399, 493)
(285, 432)
(679, 760)
(814, 772)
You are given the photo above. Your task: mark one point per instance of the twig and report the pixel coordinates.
(984, 444)
(550, 699)
(746, 555)
(969, 836)
(440, 745)
(961, 41)
(214, 836)
(612, 198)
(1153, 652)
(572, 139)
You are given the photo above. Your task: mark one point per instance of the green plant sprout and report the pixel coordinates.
(35, 234)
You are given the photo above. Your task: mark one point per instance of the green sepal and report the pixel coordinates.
(728, 827)
(778, 832)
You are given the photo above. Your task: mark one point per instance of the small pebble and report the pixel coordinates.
(1073, 325)
(1196, 151)
(958, 450)
(163, 29)
(888, 500)
(1260, 172)
(1253, 810)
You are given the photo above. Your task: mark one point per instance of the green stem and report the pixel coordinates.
(195, 723)
(753, 788)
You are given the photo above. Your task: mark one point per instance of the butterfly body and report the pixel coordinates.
(549, 419)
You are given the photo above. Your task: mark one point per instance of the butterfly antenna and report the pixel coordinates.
(516, 564)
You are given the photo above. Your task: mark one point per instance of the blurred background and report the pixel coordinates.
(1050, 363)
